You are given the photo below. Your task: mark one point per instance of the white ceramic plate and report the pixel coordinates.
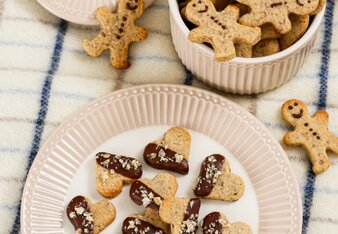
(125, 121)
(80, 11)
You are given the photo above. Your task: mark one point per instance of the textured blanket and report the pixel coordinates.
(45, 76)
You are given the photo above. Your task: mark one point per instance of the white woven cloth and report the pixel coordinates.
(45, 76)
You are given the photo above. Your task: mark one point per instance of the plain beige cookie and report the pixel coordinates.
(118, 30)
(181, 214)
(217, 222)
(90, 218)
(266, 48)
(163, 183)
(300, 23)
(178, 140)
(310, 132)
(276, 12)
(220, 29)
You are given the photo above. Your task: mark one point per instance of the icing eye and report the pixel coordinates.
(199, 1)
(306, 124)
(296, 104)
(290, 107)
(193, 5)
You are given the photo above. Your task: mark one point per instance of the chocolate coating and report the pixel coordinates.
(211, 223)
(79, 214)
(163, 158)
(209, 172)
(144, 196)
(190, 221)
(126, 166)
(133, 225)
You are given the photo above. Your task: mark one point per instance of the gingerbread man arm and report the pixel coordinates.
(199, 35)
(139, 34)
(333, 144)
(293, 138)
(96, 46)
(322, 116)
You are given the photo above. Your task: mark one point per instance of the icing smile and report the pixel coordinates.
(299, 115)
(205, 10)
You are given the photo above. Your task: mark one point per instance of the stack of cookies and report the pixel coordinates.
(163, 212)
(248, 28)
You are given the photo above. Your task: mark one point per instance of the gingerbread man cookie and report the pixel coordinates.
(310, 132)
(117, 32)
(220, 29)
(276, 12)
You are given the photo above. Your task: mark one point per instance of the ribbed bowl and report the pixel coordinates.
(63, 153)
(240, 75)
(79, 11)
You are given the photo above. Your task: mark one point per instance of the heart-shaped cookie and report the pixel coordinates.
(112, 171)
(151, 193)
(90, 218)
(171, 153)
(216, 181)
(181, 214)
(149, 223)
(217, 222)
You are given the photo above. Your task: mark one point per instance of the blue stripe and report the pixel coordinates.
(12, 150)
(54, 94)
(44, 101)
(189, 77)
(323, 75)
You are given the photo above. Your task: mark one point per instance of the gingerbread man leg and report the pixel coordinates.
(333, 144)
(319, 159)
(119, 57)
(224, 51)
(96, 46)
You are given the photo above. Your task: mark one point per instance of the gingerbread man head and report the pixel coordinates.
(201, 7)
(293, 110)
(132, 7)
(299, 6)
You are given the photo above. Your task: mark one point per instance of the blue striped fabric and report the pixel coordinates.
(44, 101)
(45, 76)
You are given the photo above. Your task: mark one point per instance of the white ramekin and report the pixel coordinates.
(241, 75)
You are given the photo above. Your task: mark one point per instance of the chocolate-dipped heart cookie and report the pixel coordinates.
(112, 171)
(151, 193)
(217, 222)
(216, 180)
(171, 153)
(181, 214)
(90, 218)
(149, 223)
